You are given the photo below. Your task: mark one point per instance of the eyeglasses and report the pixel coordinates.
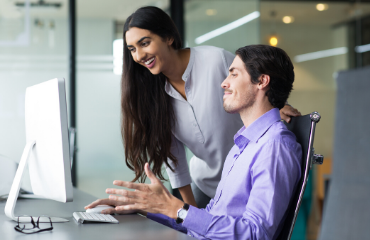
(36, 226)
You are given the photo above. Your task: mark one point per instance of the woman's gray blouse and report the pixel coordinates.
(201, 121)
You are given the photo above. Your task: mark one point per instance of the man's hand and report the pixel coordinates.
(107, 201)
(288, 111)
(153, 197)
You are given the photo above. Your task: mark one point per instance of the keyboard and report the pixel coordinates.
(81, 217)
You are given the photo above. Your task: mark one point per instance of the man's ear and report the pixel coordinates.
(264, 81)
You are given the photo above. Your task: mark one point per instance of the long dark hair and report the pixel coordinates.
(147, 113)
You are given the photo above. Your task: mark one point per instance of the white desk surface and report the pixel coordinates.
(130, 226)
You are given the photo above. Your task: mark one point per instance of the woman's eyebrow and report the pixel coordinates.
(140, 40)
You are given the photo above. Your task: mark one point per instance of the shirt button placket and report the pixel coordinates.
(198, 133)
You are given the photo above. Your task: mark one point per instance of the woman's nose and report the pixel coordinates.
(140, 55)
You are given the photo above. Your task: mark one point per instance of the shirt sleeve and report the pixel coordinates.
(167, 221)
(275, 174)
(180, 176)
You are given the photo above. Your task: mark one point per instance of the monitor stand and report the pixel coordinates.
(14, 192)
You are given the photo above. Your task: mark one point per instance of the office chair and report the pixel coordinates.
(304, 129)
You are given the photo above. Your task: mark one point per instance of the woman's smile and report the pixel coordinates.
(150, 62)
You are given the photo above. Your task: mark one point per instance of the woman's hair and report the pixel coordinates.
(147, 113)
(272, 61)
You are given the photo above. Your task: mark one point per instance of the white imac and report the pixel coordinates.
(47, 148)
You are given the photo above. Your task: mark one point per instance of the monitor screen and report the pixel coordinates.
(47, 124)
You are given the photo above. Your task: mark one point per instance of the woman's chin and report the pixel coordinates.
(155, 71)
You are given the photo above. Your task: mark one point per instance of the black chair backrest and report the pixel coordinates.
(301, 127)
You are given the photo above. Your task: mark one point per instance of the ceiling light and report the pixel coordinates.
(227, 27)
(273, 41)
(40, 3)
(322, 7)
(362, 48)
(320, 54)
(288, 19)
(211, 12)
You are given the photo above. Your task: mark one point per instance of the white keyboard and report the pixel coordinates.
(81, 217)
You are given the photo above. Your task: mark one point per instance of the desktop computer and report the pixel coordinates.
(47, 148)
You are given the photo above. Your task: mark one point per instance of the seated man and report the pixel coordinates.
(261, 171)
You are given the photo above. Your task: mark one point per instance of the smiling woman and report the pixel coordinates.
(147, 112)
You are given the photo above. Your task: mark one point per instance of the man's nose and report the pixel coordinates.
(225, 84)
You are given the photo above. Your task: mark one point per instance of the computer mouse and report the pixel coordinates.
(98, 209)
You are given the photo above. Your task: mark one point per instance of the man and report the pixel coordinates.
(261, 171)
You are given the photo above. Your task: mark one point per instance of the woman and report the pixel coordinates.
(171, 98)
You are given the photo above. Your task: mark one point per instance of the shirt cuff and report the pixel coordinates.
(179, 180)
(159, 218)
(197, 220)
(167, 221)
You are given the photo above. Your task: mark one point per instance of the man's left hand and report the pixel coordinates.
(287, 112)
(153, 197)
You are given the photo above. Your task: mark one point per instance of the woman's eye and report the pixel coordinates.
(131, 49)
(234, 75)
(144, 44)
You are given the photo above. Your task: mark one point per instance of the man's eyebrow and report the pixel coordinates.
(232, 69)
(140, 40)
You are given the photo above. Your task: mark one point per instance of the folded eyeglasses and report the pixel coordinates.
(35, 226)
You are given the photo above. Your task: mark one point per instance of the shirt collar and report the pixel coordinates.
(255, 131)
(168, 87)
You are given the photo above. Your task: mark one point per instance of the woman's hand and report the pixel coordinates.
(109, 202)
(288, 111)
(153, 197)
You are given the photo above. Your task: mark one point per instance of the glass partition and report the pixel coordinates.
(225, 24)
(33, 49)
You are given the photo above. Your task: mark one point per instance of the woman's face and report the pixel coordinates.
(148, 49)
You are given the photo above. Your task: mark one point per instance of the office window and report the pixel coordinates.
(33, 49)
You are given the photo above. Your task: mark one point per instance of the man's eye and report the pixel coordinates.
(234, 75)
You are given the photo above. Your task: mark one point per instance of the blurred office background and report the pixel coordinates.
(321, 38)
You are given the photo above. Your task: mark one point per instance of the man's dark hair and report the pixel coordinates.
(272, 61)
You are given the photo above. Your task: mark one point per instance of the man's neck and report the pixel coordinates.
(251, 114)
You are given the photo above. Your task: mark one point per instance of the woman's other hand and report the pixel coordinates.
(288, 111)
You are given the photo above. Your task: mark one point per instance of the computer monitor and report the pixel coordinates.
(47, 148)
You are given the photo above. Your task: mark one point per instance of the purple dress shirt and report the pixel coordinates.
(258, 180)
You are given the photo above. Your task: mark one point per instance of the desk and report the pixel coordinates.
(130, 226)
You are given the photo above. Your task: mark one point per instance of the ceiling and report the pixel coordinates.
(304, 12)
(116, 9)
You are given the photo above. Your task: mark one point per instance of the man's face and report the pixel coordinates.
(240, 92)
